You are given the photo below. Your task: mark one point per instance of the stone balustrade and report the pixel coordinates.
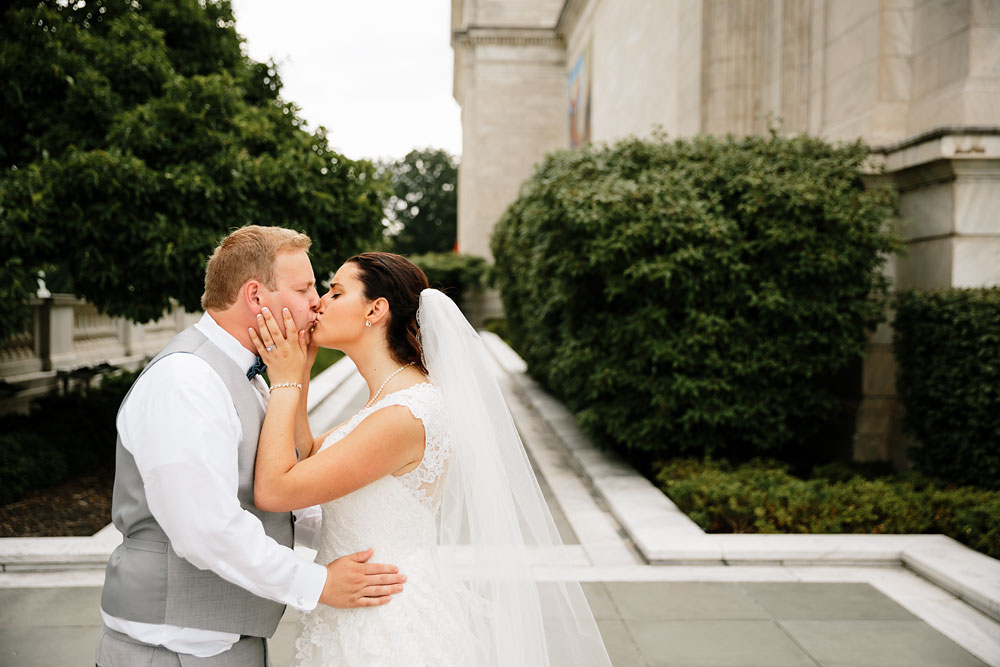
(69, 340)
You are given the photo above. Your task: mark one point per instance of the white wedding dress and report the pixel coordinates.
(397, 517)
(466, 527)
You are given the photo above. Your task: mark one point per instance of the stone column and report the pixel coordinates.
(949, 191)
(511, 85)
(55, 332)
(132, 336)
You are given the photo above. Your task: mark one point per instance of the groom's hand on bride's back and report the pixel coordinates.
(351, 581)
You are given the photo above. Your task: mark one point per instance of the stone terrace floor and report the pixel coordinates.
(746, 615)
(643, 623)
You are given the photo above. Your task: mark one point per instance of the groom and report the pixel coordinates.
(202, 576)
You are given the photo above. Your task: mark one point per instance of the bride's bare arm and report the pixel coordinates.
(304, 441)
(303, 433)
(321, 438)
(386, 441)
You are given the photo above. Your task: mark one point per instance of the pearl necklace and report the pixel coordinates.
(394, 374)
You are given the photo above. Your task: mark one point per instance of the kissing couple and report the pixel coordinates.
(217, 474)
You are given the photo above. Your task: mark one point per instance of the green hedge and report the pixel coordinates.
(947, 346)
(63, 434)
(699, 296)
(454, 273)
(762, 497)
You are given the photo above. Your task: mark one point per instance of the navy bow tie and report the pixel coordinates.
(258, 368)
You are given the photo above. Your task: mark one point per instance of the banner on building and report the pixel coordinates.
(579, 100)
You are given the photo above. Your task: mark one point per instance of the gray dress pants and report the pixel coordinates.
(115, 649)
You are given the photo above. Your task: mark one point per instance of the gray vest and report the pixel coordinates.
(146, 580)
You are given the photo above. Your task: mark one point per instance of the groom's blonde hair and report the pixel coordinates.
(246, 254)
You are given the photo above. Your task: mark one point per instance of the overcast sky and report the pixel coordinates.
(376, 73)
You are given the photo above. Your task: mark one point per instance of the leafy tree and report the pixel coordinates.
(135, 135)
(423, 206)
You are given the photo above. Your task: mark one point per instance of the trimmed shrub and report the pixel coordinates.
(64, 434)
(28, 461)
(970, 515)
(947, 346)
(699, 296)
(762, 497)
(454, 273)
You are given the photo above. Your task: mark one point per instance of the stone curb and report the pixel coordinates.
(666, 536)
(35, 554)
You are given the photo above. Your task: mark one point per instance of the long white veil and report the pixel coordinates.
(494, 521)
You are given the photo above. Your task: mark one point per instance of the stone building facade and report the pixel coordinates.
(917, 79)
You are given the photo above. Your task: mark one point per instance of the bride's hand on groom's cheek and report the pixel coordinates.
(285, 357)
(351, 581)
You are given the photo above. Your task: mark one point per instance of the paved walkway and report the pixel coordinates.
(788, 612)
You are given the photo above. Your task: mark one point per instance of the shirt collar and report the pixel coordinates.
(224, 340)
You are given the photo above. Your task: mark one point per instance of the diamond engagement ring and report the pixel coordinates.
(270, 348)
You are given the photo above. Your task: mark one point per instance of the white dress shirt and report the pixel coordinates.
(180, 425)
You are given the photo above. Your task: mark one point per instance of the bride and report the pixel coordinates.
(431, 474)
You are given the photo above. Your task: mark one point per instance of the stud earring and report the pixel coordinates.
(368, 323)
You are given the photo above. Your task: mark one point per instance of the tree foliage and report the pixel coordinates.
(136, 134)
(698, 296)
(423, 207)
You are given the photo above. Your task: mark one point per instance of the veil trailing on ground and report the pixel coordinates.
(494, 522)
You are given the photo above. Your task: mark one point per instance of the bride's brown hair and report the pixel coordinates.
(399, 281)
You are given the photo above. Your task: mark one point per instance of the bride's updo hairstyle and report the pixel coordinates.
(399, 281)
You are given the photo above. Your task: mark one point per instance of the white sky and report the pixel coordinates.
(376, 73)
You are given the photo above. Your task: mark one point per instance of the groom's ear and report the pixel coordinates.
(251, 293)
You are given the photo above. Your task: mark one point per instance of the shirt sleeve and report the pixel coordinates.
(181, 427)
(308, 522)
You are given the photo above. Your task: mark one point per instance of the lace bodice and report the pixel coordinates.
(424, 402)
(396, 517)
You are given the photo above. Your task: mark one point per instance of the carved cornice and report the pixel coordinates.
(485, 35)
(569, 16)
(937, 133)
(939, 155)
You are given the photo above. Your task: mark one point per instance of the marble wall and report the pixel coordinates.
(635, 84)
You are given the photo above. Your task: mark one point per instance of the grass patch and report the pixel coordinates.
(324, 359)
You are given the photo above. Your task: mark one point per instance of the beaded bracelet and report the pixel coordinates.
(280, 385)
